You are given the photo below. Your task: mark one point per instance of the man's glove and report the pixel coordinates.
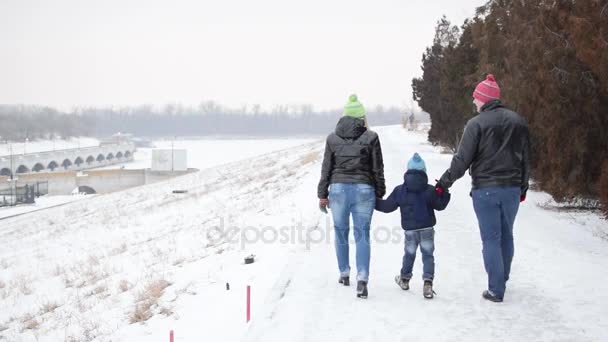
(323, 205)
(522, 198)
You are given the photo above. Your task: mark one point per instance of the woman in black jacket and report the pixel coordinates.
(352, 176)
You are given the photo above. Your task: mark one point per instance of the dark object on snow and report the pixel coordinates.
(344, 281)
(250, 259)
(362, 289)
(180, 191)
(227, 286)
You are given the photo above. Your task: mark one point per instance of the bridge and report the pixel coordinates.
(74, 159)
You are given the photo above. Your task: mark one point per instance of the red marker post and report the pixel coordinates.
(171, 338)
(248, 303)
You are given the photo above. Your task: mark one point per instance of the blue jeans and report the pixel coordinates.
(358, 200)
(496, 209)
(426, 239)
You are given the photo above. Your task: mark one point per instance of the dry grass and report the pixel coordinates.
(124, 286)
(85, 273)
(147, 299)
(119, 250)
(100, 290)
(68, 281)
(49, 307)
(141, 313)
(22, 284)
(29, 322)
(309, 158)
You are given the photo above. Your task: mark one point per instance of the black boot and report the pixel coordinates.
(427, 289)
(344, 281)
(362, 289)
(491, 297)
(403, 283)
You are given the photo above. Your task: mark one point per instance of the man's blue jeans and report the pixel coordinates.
(358, 200)
(496, 209)
(426, 239)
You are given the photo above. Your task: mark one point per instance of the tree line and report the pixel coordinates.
(209, 118)
(551, 61)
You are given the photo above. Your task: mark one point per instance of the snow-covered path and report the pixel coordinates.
(133, 265)
(558, 289)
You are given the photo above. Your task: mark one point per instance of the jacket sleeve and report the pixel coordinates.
(388, 205)
(464, 156)
(439, 202)
(326, 168)
(525, 163)
(378, 168)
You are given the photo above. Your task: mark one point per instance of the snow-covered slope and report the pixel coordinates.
(85, 271)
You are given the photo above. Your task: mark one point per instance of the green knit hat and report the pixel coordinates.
(354, 108)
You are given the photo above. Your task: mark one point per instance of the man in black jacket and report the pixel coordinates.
(494, 148)
(353, 171)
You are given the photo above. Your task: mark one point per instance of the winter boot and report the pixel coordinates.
(361, 289)
(403, 283)
(491, 297)
(344, 281)
(427, 289)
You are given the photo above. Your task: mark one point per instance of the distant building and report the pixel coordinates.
(169, 160)
(118, 138)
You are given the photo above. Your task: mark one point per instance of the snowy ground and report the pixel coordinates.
(206, 153)
(84, 271)
(41, 203)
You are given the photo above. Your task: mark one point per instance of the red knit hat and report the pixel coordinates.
(487, 90)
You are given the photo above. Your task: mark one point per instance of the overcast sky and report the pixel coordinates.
(68, 53)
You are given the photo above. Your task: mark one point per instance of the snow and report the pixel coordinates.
(80, 255)
(205, 153)
(41, 203)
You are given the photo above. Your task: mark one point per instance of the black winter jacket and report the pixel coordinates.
(495, 148)
(352, 155)
(417, 201)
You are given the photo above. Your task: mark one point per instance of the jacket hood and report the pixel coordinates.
(350, 128)
(416, 180)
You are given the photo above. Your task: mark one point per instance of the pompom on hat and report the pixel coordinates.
(487, 90)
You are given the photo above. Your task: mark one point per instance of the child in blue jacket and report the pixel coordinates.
(418, 201)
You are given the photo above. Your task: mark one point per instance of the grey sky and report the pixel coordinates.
(76, 52)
